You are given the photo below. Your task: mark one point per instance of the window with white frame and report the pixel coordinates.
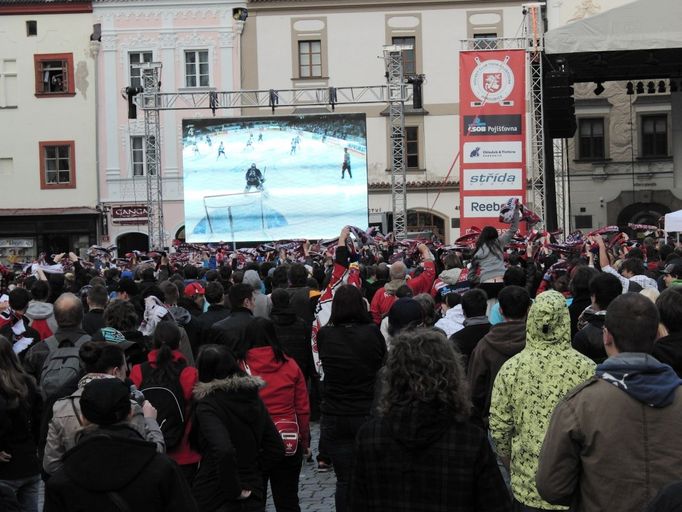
(8, 83)
(485, 41)
(409, 56)
(138, 156)
(310, 59)
(134, 59)
(196, 68)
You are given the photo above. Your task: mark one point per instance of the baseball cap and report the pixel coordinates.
(111, 335)
(674, 269)
(194, 289)
(105, 401)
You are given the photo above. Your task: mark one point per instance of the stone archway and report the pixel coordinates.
(419, 221)
(641, 207)
(642, 213)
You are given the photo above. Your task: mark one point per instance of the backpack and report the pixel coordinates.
(169, 400)
(62, 366)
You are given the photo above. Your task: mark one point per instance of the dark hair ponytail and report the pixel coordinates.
(165, 340)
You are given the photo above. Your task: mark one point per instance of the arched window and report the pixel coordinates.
(419, 221)
(180, 234)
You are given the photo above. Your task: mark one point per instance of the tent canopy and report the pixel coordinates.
(640, 25)
(673, 221)
(641, 40)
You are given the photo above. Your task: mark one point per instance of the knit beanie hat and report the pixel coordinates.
(105, 401)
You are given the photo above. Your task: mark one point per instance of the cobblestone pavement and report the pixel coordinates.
(315, 490)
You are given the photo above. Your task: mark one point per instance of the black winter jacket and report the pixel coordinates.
(236, 438)
(294, 335)
(351, 356)
(19, 432)
(117, 459)
(668, 350)
(230, 331)
(589, 340)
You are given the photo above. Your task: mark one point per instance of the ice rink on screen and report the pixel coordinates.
(304, 195)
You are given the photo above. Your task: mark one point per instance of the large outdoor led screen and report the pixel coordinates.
(274, 178)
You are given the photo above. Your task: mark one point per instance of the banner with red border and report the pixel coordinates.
(492, 92)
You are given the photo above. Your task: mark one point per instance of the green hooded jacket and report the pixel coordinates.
(527, 389)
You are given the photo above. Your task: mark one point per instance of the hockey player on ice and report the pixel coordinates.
(346, 164)
(254, 178)
(260, 137)
(221, 150)
(293, 147)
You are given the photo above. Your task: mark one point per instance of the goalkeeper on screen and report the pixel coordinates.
(254, 178)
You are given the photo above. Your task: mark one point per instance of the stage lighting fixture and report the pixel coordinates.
(661, 87)
(599, 89)
(130, 93)
(651, 88)
(673, 86)
(630, 89)
(640, 88)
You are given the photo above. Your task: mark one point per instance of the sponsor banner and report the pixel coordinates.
(493, 125)
(486, 207)
(492, 88)
(493, 179)
(493, 152)
(16, 242)
(129, 212)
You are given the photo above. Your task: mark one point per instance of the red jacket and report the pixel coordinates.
(285, 394)
(182, 453)
(382, 301)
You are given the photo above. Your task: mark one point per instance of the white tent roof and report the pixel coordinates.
(673, 221)
(640, 25)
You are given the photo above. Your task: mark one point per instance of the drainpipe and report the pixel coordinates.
(95, 43)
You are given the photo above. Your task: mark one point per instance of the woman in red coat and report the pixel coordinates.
(167, 368)
(286, 397)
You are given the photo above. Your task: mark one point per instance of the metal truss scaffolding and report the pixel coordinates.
(534, 47)
(396, 115)
(152, 102)
(151, 79)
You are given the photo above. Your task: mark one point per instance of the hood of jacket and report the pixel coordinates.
(232, 384)
(39, 310)
(180, 315)
(641, 376)
(593, 317)
(418, 424)
(507, 338)
(450, 276)
(252, 278)
(283, 316)
(261, 360)
(549, 323)
(101, 448)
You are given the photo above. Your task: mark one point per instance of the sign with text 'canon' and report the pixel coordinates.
(492, 134)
